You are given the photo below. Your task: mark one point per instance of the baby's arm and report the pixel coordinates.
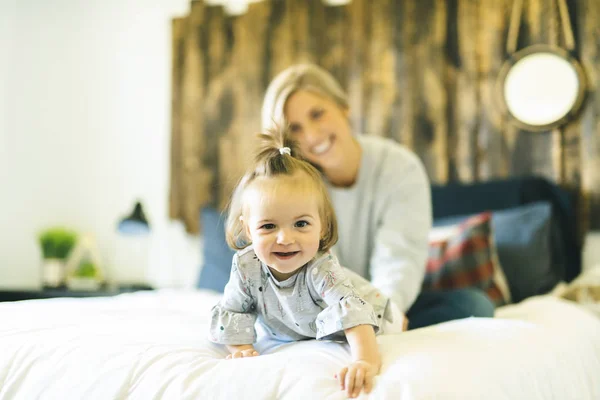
(366, 361)
(347, 309)
(233, 318)
(241, 351)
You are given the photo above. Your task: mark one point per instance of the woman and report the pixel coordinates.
(380, 192)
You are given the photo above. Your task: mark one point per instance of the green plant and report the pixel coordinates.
(57, 242)
(86, 269)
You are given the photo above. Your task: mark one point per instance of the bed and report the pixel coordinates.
(152, 345)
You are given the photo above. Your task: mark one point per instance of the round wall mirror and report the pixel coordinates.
(541, 87)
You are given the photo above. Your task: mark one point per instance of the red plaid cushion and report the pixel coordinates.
(467, 258)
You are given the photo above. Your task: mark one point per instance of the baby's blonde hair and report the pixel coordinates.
(309, 77)
(270, 162)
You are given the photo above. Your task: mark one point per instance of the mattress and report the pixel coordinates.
(152, 345)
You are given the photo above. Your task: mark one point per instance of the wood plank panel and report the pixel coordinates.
(403, 124)
(589, 32)
(494, 137)
(196, 177)
(334, 44)
(178, 30)
(358, 32)
(236, 144)
(280, 47)
(429, 71)
(571, 141)
(218, 109)
(303, 41)
(379, 72)
(462, 81)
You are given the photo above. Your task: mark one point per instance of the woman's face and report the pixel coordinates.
(321, 128)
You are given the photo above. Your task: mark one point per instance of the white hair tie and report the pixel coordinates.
(285, 150)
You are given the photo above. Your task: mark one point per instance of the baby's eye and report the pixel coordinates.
(301, 224)
(268, 226)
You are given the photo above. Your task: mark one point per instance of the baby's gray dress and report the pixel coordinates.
(320, 301)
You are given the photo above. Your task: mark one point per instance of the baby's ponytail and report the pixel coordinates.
(277, 153)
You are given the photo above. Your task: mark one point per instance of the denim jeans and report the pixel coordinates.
(433, 307)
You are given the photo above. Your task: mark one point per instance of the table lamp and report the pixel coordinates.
(132, 249)
(136, 223)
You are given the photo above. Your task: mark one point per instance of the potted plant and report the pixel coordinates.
(56, 244)
(87, 276)
(84, 269)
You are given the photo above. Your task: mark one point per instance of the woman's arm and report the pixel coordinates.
(397, 264)
(366, 361)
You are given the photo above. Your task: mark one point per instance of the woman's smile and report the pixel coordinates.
(323, 147)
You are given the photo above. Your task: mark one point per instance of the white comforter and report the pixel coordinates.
(152, 346)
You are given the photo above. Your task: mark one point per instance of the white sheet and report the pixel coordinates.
(152, 346)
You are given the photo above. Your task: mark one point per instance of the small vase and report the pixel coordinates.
(53, 272)
(83, 283)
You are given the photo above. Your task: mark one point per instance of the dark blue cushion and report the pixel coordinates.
(522, 237)
(466, 199)
(214, 274)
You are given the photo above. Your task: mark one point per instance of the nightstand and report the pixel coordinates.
(30, 294)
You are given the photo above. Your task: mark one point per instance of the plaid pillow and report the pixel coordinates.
(464, 256)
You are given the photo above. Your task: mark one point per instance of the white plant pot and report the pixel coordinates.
(53, 272)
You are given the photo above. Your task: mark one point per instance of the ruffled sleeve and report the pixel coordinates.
(233, 318)
(345, 308)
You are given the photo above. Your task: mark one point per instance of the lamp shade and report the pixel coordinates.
(136, 223)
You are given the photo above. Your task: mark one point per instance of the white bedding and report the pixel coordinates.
(152, 346)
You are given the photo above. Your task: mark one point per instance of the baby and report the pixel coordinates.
(284, 275)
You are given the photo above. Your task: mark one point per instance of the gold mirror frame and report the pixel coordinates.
(515, 64)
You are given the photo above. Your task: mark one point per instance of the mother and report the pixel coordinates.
(380, 193)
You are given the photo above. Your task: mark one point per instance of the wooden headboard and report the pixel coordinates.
(422, 72)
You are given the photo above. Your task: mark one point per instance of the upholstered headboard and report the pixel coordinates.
(532, 271)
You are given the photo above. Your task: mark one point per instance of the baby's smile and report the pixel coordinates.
(285, 255)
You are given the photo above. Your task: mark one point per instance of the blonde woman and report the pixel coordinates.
(380, 193)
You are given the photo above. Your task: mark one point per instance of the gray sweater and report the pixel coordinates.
(384, 220)
(320, 301)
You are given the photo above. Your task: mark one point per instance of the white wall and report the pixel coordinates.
(86, 130)
(7, 13)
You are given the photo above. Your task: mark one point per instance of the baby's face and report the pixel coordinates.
(284, 225)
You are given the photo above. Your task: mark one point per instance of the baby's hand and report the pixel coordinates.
(357, 376)
(245, 351)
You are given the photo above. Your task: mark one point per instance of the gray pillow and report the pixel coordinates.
(522, 236)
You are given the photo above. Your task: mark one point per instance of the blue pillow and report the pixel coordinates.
(214, 274)
(522, 236)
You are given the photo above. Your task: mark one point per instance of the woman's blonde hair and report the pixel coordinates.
(271, 161)
(309, 77)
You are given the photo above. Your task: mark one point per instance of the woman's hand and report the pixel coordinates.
(356, 377)
(241, 351)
